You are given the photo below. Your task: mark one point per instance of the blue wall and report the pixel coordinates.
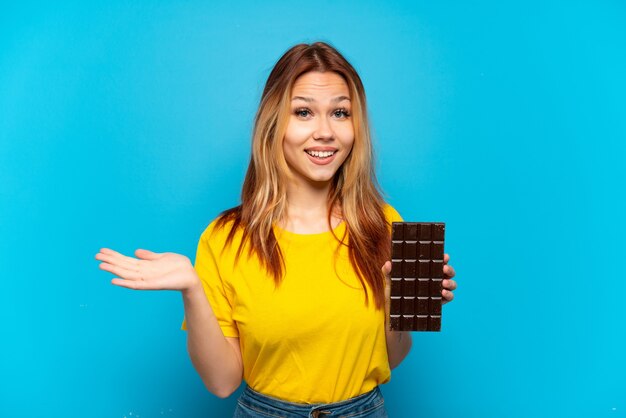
(127, 125)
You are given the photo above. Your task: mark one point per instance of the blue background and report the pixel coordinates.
(127, 125)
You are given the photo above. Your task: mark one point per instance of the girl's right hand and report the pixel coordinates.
(150, 271)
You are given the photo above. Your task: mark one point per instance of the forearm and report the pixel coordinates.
(213, 357)
(398, 346)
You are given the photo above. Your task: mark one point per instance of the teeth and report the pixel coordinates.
(320, 154)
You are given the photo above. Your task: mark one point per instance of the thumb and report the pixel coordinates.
(387, 268)
(146, 255)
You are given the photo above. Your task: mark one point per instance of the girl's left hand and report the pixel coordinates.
(448, 284)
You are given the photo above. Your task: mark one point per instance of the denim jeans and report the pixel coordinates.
(252, 404)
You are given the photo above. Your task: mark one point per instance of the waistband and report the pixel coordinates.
(266, 404)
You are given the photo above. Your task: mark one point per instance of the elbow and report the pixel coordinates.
(222, 394)
(223, 391)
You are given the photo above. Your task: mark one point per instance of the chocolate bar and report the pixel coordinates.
(416, 276)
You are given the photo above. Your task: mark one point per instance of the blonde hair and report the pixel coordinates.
(354, 189)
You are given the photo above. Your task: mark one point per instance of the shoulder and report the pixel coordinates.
(391, 214)
(224, 228)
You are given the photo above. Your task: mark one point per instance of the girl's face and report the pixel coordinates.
(319, 133)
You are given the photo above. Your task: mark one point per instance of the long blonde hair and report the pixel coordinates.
(354, 188)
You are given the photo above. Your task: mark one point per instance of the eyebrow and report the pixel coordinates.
(311, 100)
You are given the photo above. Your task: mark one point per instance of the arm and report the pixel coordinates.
(398, 346)
(216, 358)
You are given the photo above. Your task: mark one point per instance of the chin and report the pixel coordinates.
(322, 178)
(316, 178)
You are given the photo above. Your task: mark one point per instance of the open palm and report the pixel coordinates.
(149, 271)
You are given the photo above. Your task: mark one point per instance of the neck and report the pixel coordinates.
(307, 208)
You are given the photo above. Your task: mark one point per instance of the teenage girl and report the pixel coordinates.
(290, 289)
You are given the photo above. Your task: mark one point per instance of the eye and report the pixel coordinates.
(302, 112)
(341, 113)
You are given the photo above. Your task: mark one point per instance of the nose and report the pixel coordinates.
(323, 130)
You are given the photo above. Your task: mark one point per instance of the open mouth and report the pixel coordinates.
(321, 154)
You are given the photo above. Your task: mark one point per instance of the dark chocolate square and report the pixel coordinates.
(396, 250)
(396, 286)
(408, 287)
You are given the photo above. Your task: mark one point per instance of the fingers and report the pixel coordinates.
(121, 271)
(448, 271)
(129, 271)
(117, 259)
(146, 255)
(447, 296)
(448, 284)
(112, 253)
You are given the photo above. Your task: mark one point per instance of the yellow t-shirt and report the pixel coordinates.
(312, 339)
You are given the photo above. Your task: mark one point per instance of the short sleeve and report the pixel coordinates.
(207, 267)
(391, 214)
